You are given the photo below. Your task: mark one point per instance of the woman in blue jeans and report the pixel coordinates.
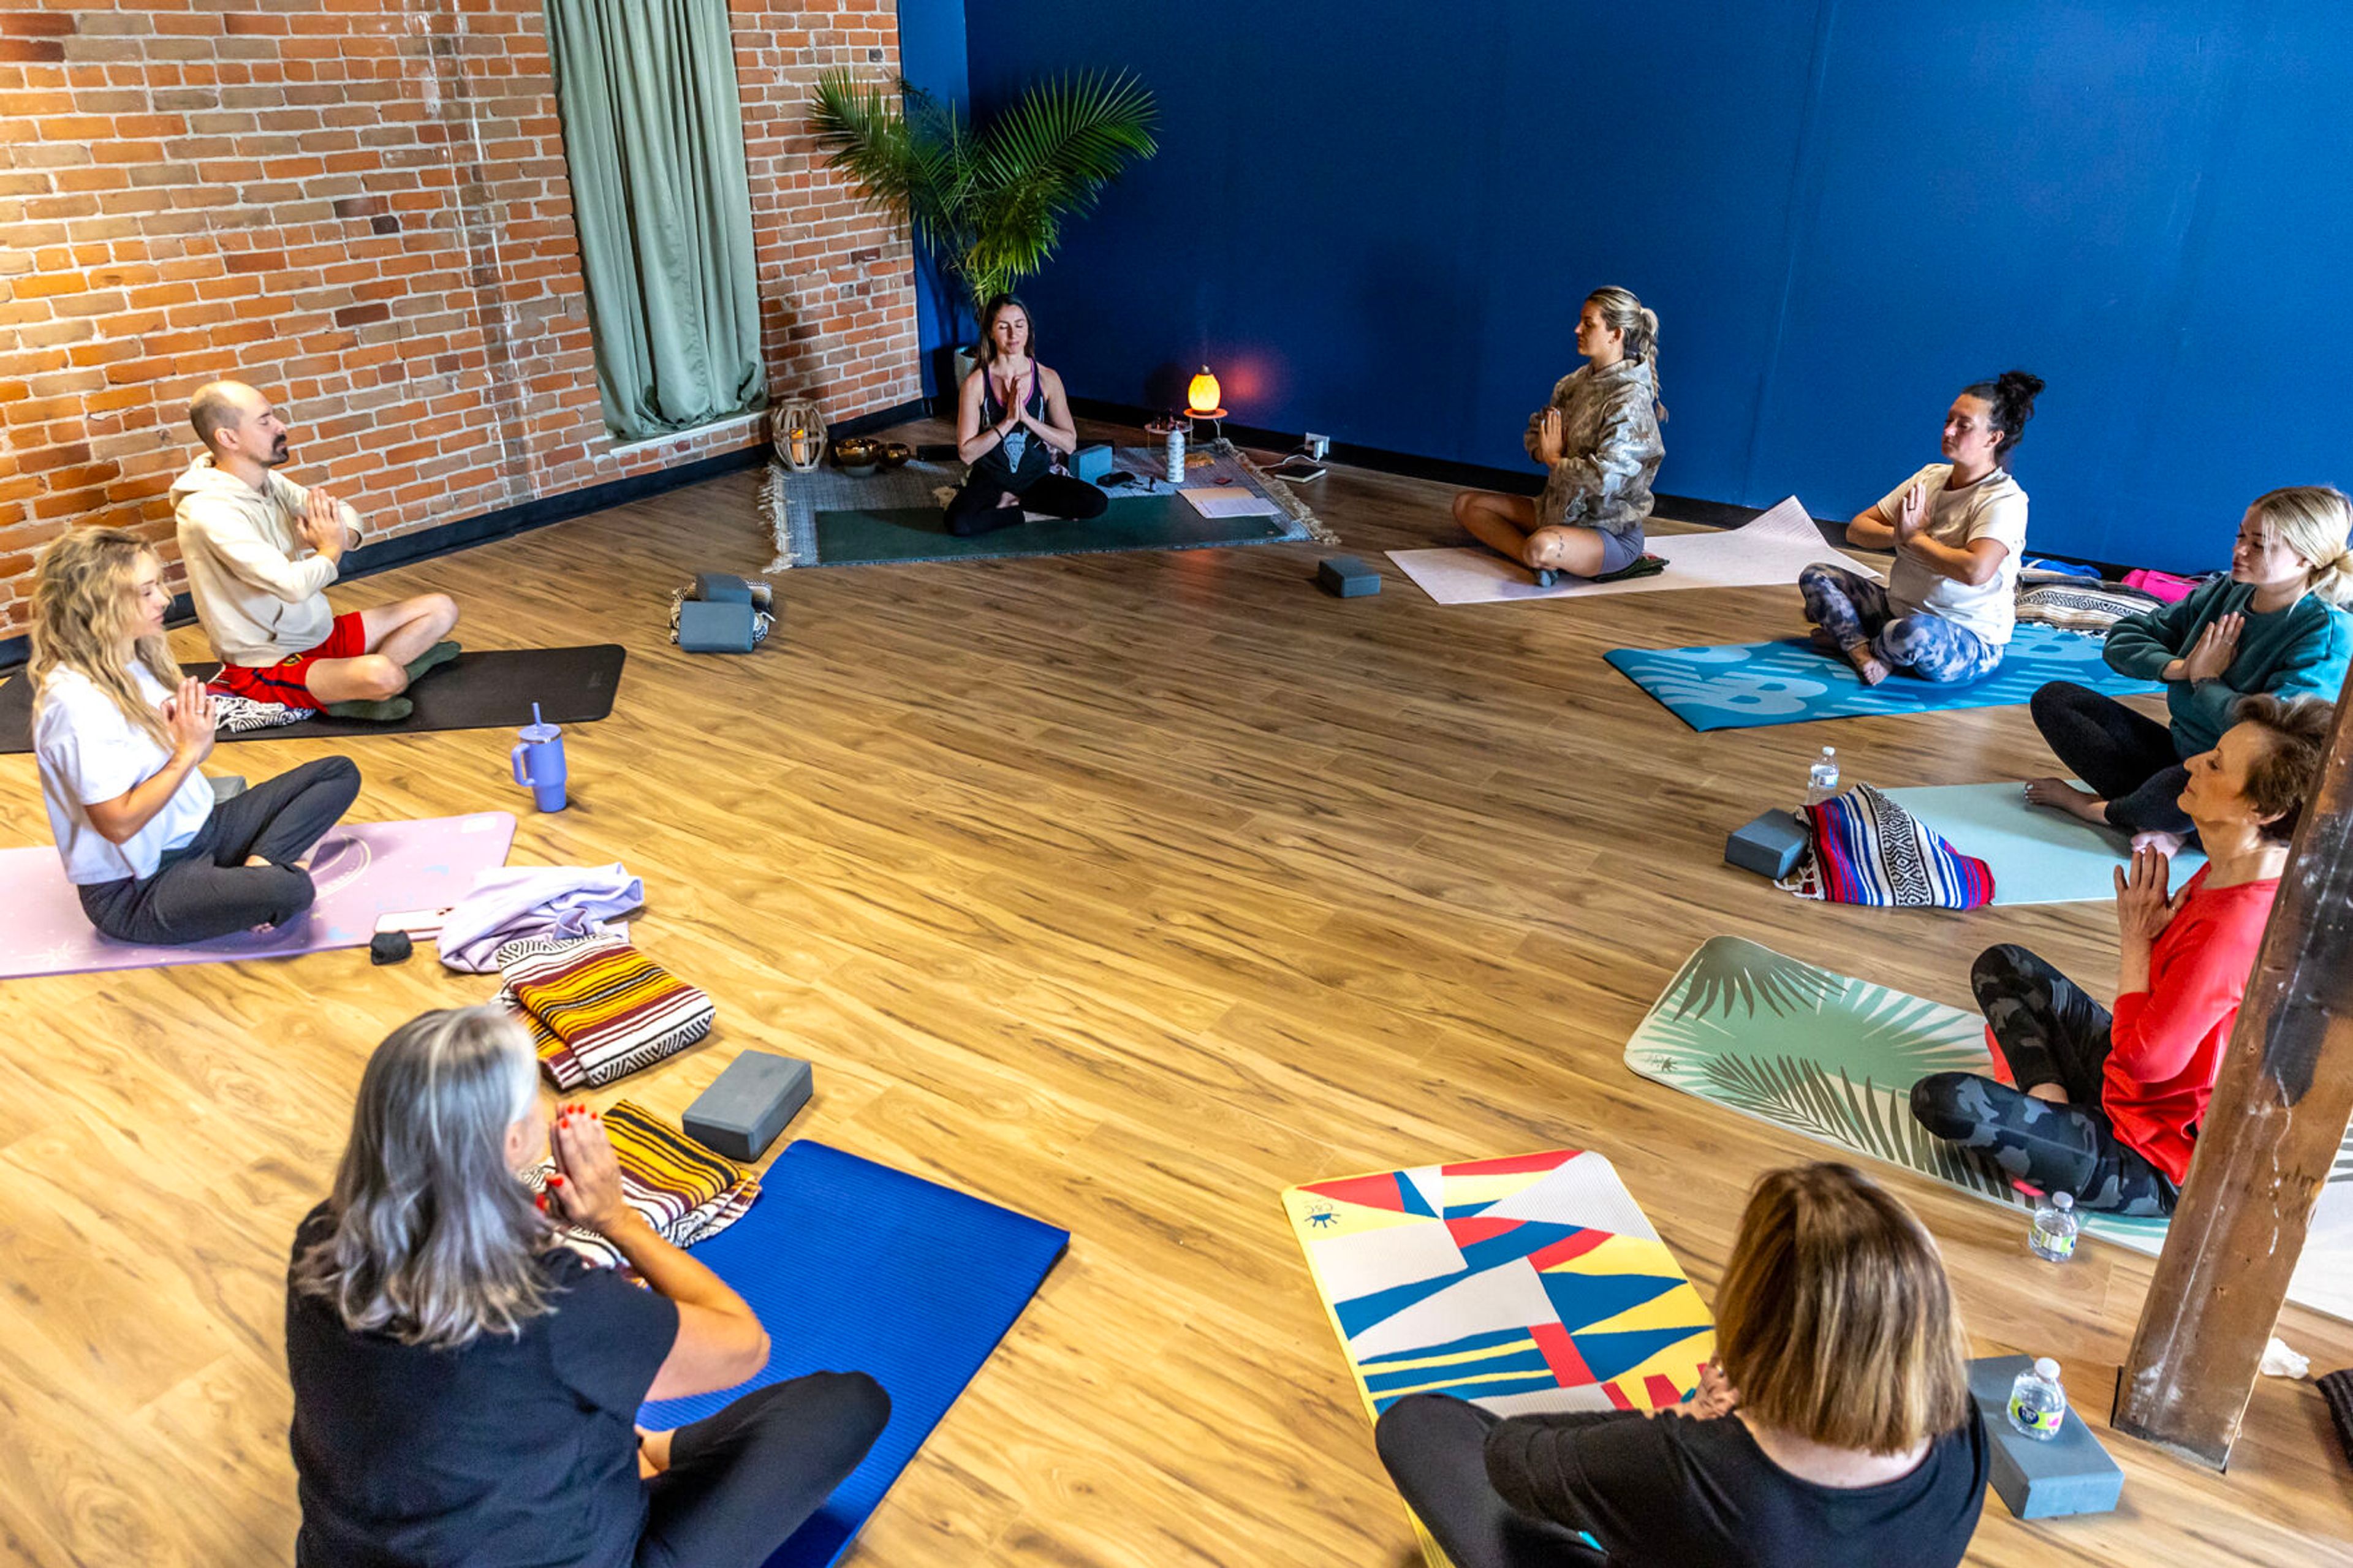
(1958, 529)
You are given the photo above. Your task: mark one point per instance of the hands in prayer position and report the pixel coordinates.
(2212, 655)
(189, 714)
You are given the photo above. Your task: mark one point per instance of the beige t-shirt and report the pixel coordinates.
(1993, 507)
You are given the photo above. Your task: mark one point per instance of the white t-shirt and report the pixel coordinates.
(89, 751)
(1993, 507)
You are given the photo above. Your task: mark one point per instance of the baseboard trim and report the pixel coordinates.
(464, 534)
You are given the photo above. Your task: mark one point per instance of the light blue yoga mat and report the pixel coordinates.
(854, 1266)
(1744, 686)
(2038, 856)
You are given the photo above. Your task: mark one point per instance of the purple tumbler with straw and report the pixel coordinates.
(539, 761)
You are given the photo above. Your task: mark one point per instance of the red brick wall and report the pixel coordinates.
(360, 205)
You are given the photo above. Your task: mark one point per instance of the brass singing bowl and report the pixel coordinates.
(894, 454)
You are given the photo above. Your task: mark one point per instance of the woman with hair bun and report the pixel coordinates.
(1959, 529)
(1598, 442)
(2275, 625)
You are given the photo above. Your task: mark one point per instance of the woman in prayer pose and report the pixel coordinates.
(1013, 429)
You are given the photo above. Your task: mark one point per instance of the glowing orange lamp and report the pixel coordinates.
(1201, 396)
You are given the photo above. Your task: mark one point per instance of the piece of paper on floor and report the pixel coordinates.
(1771, 548)
(1228, 501)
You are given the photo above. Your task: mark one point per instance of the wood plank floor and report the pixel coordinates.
(1123, 889)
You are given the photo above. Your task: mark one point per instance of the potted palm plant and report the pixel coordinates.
(987, 205)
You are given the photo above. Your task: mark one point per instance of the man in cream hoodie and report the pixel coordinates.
(261, 550)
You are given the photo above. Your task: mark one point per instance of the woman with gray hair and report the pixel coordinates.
(466, 1386)
(1598, 440)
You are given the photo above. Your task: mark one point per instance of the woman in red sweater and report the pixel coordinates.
(2106, 1106)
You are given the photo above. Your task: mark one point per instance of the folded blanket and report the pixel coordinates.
(1869, 850)
(598, 1008)
(1642, 566)
(508, 903)
(2082, 606)
(682, 1190)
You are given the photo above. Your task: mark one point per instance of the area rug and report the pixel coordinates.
(1771, 548)
(829, 519)
(1527, 1284)
(2037, 856)
(1834, 1059)
(1744, 686)
(363, 870)
(854, 1266)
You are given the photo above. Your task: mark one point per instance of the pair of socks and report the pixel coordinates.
(392, 709)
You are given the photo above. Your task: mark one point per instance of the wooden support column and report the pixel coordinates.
(2278, 1115)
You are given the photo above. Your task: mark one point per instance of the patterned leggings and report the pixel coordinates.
(2049, 1032)
(1854, 608)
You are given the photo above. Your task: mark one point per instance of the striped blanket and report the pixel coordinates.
(684, 1191)
(598, 1008)
(1869, 850)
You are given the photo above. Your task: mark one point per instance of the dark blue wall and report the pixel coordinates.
(1376, 219)
(931, 56)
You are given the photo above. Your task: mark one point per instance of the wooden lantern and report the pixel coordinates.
(800, 435)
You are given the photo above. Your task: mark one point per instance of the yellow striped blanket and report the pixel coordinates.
(683, 1190)
(598, 1008)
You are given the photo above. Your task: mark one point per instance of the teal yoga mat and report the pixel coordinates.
(870, 536)
(2038, 856)
(1743, 685)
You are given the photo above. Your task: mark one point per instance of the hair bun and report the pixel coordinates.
(2023, 385)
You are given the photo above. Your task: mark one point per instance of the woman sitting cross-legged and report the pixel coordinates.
(117, 732)
(1012, 425)
(1958, 528)
(1835, 1428)
(1598, 442)
(2106, 1105)
(2275, 625)
(466, 1386)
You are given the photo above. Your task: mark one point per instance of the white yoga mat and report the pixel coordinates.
(1773, 547)
(2038, 856)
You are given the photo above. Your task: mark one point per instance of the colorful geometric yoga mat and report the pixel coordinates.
(1525, 1284)
(1744, 686)
(1833, 1059)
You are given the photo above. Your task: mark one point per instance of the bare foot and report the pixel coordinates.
(653, 1453)
(2165, 844)
(1006, 499)
(2061, 795)
(1866, 663)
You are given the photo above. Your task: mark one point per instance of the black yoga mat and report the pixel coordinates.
(489, 689)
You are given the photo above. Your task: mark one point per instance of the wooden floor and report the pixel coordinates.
(1122, 890)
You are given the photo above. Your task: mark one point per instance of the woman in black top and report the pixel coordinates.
(1013, 425)
(1836, 1427)
(466, 1386)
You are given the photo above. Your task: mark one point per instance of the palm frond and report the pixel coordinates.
(1727, 970)
(864, 131)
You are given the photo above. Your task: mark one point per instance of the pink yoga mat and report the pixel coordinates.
(363, 870)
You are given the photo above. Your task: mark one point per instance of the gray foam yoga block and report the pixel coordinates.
(705, 627)
(2070, 1473)
(1346, 576)
(722, 588)
(1090, 463)
(1770, 845)
(747, 1105)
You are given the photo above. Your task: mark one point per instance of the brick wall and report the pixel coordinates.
(360, 205)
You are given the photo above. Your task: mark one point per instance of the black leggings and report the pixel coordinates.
(975, 509)
(1435, 1448)
(2049, 1031)
(2127, 758)
(742, 1481)
(206, 890)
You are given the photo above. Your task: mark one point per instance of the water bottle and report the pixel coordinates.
(1176, 453)
(1822, 779)
(2038, 1405)
(2053, 1234)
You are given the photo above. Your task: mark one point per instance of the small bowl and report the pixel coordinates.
(854, 454)
(894, 455)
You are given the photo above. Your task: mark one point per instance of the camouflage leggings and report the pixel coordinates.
(2049, 1032)
(1926, 646)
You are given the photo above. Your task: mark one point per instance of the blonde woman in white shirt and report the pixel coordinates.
(1958, 530)
(117, 732)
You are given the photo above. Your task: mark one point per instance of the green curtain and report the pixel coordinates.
(653, 134)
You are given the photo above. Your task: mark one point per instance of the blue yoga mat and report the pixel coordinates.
(1744, 686)
(2038, 856)
(854, 1267)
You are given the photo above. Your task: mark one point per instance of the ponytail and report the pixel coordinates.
(1622, 312)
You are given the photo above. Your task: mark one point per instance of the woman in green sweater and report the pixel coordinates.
(2274, 626)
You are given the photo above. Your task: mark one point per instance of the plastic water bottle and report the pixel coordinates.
(2038, 1405)
(1176, 453)
(1822, 779)
(2053, 1234)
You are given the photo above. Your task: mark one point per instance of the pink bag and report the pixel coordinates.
(2164, 585)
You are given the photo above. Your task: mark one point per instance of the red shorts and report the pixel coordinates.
(287, 680)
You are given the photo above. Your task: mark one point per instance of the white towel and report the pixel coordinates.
(511, 901)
